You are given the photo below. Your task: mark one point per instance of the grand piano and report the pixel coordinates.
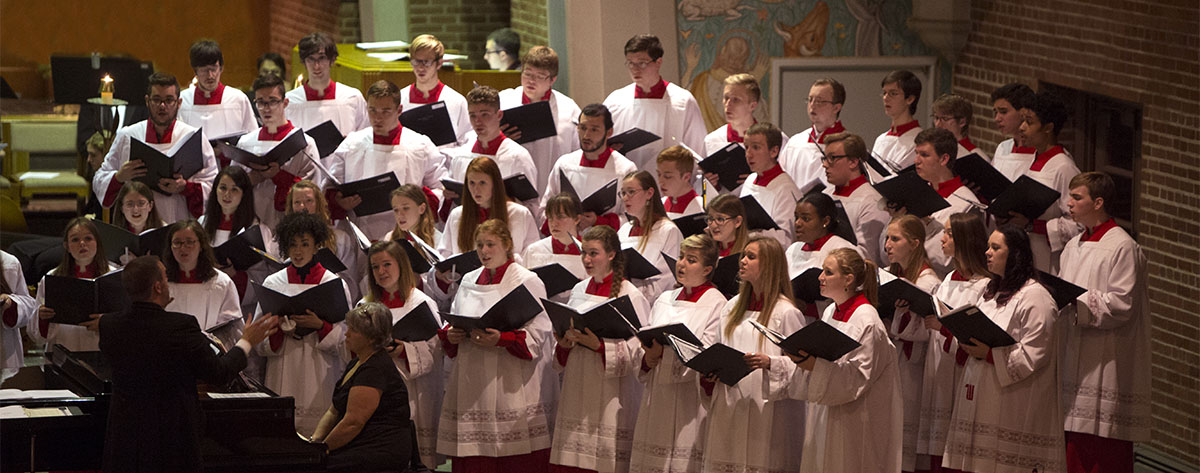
(248, 428)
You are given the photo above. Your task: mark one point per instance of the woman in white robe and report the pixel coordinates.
(415, 221)
(83, 258)
(648, 231)
(598, 404)
(306, 197)
(816, 227)
(18, 309)
(562, 247)
(669, 435)
(485, 199)
(228, 212)
(197, 288)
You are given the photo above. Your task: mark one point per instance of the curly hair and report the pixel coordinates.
(297, 224)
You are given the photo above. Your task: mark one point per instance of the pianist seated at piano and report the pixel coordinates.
(369, 425)
(155, 421)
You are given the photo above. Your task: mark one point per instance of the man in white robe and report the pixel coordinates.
(320, 99)
(539, 71)
(426, 53)
(1012, 156)
(895, 147)
(590, 168)
(483, 105)
(843, 162)
(221, 111)
(768, 184)
(935, 151)
(954, 114)
(801, 156)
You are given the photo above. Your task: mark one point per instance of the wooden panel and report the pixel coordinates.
(354, 68)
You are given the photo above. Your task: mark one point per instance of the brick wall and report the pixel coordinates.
(529, 19)
(1143, 52)
(460, 24)
(293, 19)
(348, 24)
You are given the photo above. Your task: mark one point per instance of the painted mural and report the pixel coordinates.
(719, 38)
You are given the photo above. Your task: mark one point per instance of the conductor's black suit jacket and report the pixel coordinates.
(155, 422)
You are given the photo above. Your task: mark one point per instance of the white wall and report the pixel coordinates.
(596, 33)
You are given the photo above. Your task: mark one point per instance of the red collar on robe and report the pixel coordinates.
(88, 272)
(818, 244)
(853, 185)
(188, 277)
(764, 178)
(657, 92)
(393, 301)
(415, 95)
(490, 148)
(152, 137)
(215, 99)
(946, 188)
(957, 276)
(483, 214)
(679, 204)
(493, 276)
(695, 294)
(279, 135)
(525, 98)
(724, 250)
(756, 302)
(1044, 157)
(844, 310)
(392, 138)
(732, 135)
(564, 249)
(1023, 149)
(312, 94)
(130, 229)
(602, 288)
(635, 229)
(966, 143)
(226, 223)
(1095, 234)
(313, 277)
(598, 163)
(836, 128)
(902, 129)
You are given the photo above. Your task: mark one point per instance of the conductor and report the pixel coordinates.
(154, 423)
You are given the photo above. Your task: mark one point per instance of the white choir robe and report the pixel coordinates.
(911, 338)
(868, 216)
(347, 109)
(587, 180)
(897, 147)
(308, 368)
(942, 371)
(498, 405)
(1106, 360)
(598, 404)
(232, 115)
(1006, 418)
(73, 337)
(350, 254)
(212, 303)
(510, 157)
(298, 166)
(719, 139)
(800, 260)
(855, 411)
(415, 161)
(961, 199)
(421, 364)
(23, 311)
(259, 271)
(669, 435)
(748, 430)
(520, 224)
(801, 156)
(966, 147)
(664, 238)
(541, 253)
(1055, 168)
(778, 197)
(171, 208)
(693, 206)
(428, 281)
(675, 118)
(1012, 160)
(456, 107)
(546, 151)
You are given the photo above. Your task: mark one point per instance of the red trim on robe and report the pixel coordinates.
(844, 310)
(493, 276)
(526, 101)
(902, 129)
(611, 219)
(284, 181)
(214, 99)
(966, 143)
(817, 244)
(836, 128)
(1024, 150)
(602, 288)
(193, 194)
(849, 188)
(1044, 157)
(336, 212)
(312, 94)
(657, 92)
(1095, 234)
(695, 294)
(679, 204)
(732, 135)
(279, 135)
(599, 162)
(946, 188)
(514, 343)
(564, 249)
(152, 137)
(416, 97)
(392, 138)
(724, 249)
(764, 178)
(490, 148)
(313, 277)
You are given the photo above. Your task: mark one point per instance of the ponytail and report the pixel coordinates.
(870, 282)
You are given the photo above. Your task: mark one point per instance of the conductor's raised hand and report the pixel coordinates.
(261, 328)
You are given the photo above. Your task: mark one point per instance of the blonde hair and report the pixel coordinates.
(911, 228)
(427, 42)
(322, 208)
(654, 210)
(748, 82)
(850, 262)
(773, 279)
(706, 246)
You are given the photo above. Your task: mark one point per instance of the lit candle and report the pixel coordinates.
(299, 81)
(106, 90)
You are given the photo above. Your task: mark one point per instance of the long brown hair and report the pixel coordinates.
(118, 213)
(731, 205)
(469, 219)
(913, 229)
(322, 209)
(864, 271)
(407, 279)
(612, 244)
(424, 227)
(773, 280)
(206, 263)
(244, 215)
(654, 210)
(970, 244)
(99, 264)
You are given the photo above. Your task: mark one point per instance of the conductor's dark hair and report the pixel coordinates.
(1050, 109)
(206, 264)
(943, 143)
(139, 277)
(267, 81)
(205, 52)
(646, 43)
(770, 131)
(908, 82)
(244, 216)
(315, 43)
(825, 209)
(1018, 268)
(298, 224)
(162, 79)
(508, 40)
(598, 110)
(275, 58)
(1016, 93)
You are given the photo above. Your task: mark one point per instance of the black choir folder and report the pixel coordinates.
(970, 322)
(117, 239)
(281, 153)
(460, 264)
(660, 334)
(376, 192)
(637, 266)
(908, 190)
(725, 275)
(806, 286)
(230, 139)
(1063, 291)
(895, 288)
(186, 160)
(981, 176)
(327, 137)
(432, 120)
(719, 360)
(327, 300)
(556, 277)
(421, 256)
(239, 250)
(757, 218)
(599, 202)
(844, 228)
(517, 186)
(729, 164)
(510, 313)
(75, 299)
(632, 139)
(1026, 196)
(417, 325)
(818, 339)
(693, 224)
(614, 319)
(534, 121)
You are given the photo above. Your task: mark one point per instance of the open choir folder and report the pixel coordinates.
(186, 159)
(637, 266)
(599, 202)
(729, 164)
(1025, 196)
(418, 325)
(421, 256)
(557, 278)
(239, 250)
(327, 138)
(981, 176)
(720, 360)
(517, 186)
(806, 286)
(460, 264)
(908, 190)
(510, 313)
(431, 120)
(632, 139)
(614, 319)
(970, 322)
(534, 120)
(116, 240)
(757, 218)
(892, 289)
(1063, 291)
(281, 153)
(327, 300)
(230, 139)
(818, 339)
(844, 228)
(659, 333)
(375, 191)
(75, 299)
(693, 224)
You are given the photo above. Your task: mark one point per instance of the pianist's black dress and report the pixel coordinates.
(385, 442)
